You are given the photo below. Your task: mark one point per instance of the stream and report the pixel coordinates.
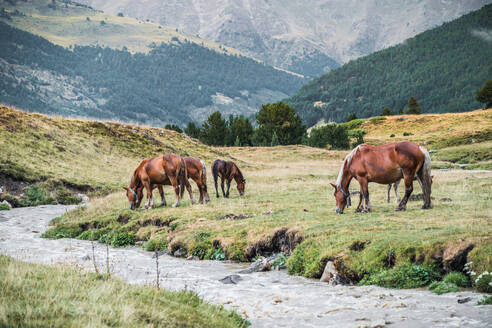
(266, 299)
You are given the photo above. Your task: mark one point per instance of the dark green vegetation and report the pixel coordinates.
(442, 68)
(452, 282)
(33, 295)
(163, 86)
(484, 95)
(486, 300)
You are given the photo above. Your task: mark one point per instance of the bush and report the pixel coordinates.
(486, 300)
(122, 239)
(65, 197)
(408, 275)
(457, 278)
(36, 195)
(4, 207)
(158, 244)
(442, 287)
(483, 282)
(94, 234)
(405, 134)
(332, 134)
(69, 230)
(306, 260)
(392, 135)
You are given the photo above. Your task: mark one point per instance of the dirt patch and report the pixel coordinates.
(283, 240)
(359, 245)
(12, 186)
(158, 222)
(454, 256)
(232, 216)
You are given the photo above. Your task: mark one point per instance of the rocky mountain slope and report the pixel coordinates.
(308, 36)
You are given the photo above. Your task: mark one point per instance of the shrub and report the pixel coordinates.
(279, 261)
(93, 234)
(442, 287)
(392, 135)
(405, 134)
(36, 195)
(306, 260)
(65, 197)
(158, 244)
(483, 282)
(4, 207)
(332, 134)
(408, 275)
(69, 230)
(457, 278)
(486, 300)
(122, 239)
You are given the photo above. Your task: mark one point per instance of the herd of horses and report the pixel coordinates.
(386, 164)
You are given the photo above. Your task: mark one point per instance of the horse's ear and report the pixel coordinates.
(333, 185)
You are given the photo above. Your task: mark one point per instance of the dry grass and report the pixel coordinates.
(33, 295)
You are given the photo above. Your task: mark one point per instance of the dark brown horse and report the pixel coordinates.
(227, 171)
(385, 165)
(196, 170)
(169, 169)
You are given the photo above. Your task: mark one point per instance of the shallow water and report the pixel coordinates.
(267, 299)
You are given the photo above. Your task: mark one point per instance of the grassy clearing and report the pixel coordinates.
(289, 187)
(83, 155)
(70, 24)
(33, 295)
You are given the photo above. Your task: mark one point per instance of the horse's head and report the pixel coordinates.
(241, 184)
(342, 198)
(134, 197)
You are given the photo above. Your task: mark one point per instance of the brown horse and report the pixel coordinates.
(196, 170)
(395, 186)
(169, 169)
(227, 171)
(385, 165)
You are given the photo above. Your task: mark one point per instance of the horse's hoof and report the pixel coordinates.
(358, 210)
(426, 207)
(175, 205)
(400, 209)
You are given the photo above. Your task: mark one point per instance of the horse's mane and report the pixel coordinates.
(347, 160)
(239, 173)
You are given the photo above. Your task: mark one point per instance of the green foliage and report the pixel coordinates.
(483, 283)
(214, 130)
(334, 135)
(305, 260)
(486, 300)
(351, 117)
(442, 287)
(173, 127)
(240, 131)
(132, 85)
(353, 124)
(406, 134)
(413, 107)
(122, 239)
(407, 275)
(281, 119)
(392, 135)
(192, 130)
(65, 197)
(93, 234)
(442, 67)
(457, 278)
(484, 95)
(37, 195)
(4, 207)
(155, 244)
(386, 112)
(275, 141)
(281, 260)
(218, 254)
(66, 230)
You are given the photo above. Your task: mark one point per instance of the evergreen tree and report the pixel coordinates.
(214, 130)
(484, 95)
(274, 140)
(173, 127)
(332, 134)
(386, 112)
(192, 130)
(413, 107)
(281, 119)
(237, 143)
(351, 117)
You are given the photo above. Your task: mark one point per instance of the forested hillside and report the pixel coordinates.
(442, 68)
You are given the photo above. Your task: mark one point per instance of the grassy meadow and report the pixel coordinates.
(33, 295)
(288, 204)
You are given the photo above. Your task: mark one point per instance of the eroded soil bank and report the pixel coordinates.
(267, 299)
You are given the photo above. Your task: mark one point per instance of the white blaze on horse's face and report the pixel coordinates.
(240, 187)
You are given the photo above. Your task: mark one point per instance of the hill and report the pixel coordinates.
(84, 156)
(114, 68)
(305, 36)
(442, 68)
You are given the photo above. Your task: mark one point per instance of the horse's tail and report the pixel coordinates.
(182, 177)
(215, 171)
(204, 175)
(424, 177)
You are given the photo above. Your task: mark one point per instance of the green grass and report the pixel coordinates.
(486, 300)
(33, 295)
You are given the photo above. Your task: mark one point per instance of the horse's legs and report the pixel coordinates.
(216, 188)
(389, 191)
(148, 188)
(199, 184)
(190, 192)
(228, 187)
(365, 190)
(163, 198)
(408, 179)
(359, 207)
(222, 186)
(395, 186)
(425, 182)
(175, 184)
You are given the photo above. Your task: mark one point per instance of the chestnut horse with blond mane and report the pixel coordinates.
(196, 170)
(384, 164)
(227, 171)
(169, 169)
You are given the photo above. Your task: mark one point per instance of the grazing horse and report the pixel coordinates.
(169, 169)
(196, 170)
(227, 171)
(384, 164)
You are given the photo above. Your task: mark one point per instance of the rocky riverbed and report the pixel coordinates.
(266, 299)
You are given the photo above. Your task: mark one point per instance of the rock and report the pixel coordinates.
(84, 197)
(331, 275)
(193, 258)
(180, 252)
(6, 203)
(232, 279)
(261, 264)
(445, 199)
(139, 243)
(454, 256)
(464, 300)
(160, 253)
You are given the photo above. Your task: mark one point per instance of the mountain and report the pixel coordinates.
(442, 68)
(309, 37)
(69, 59)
